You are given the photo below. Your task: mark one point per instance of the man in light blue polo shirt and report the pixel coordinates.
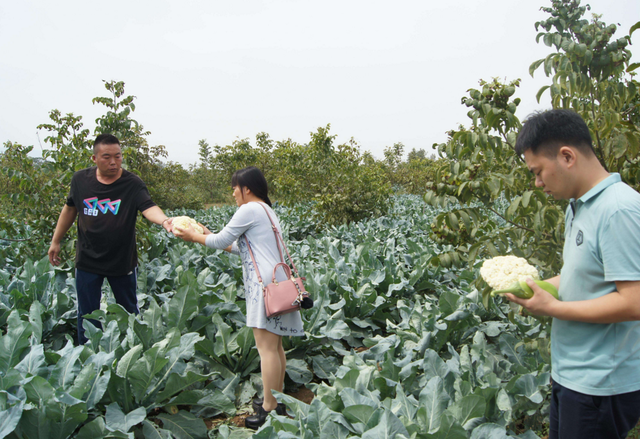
(595, 337)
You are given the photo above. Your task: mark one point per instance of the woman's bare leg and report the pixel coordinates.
(270, 364)
(283, 365)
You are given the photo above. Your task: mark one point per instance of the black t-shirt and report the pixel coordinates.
(107, 221)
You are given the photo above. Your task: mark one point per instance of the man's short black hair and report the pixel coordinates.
(545, 132)
(105, 139)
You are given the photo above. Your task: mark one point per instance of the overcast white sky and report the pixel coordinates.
(378, 71)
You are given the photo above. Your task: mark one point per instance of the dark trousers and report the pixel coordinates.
(575, 415)
(89, 290)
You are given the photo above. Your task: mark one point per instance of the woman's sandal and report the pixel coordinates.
(256, 421)
(281, 409)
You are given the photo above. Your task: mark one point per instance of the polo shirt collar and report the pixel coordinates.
(613, 178)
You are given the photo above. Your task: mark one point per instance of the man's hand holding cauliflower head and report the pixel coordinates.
(515, 278)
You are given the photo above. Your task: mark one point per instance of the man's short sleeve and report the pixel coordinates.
(620, 246)
(143, 199)
(71, 192)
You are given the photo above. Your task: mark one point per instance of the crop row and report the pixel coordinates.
(395, 346)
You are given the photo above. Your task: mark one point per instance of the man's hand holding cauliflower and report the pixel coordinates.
(513, 277)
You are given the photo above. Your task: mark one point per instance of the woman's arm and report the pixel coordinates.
(241, 221)
(190, 235)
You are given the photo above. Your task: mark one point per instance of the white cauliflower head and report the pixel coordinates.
(184, 222)
(502, 271)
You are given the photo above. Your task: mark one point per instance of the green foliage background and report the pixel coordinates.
(400, 342)
(483, 178)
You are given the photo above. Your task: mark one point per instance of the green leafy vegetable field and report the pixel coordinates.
(395, 346)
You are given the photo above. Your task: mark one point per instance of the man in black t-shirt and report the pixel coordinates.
(106, 199)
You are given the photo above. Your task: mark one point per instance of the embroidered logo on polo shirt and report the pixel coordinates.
(579, 238)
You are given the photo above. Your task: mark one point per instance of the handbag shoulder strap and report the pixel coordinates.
(279, 238)
(253, 259)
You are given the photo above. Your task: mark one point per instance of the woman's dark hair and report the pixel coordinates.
(253, 179)
(549, 130)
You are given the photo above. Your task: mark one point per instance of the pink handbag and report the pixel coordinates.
(285, 296)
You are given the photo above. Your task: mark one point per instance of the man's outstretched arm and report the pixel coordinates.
(157, 216)
(65, 221)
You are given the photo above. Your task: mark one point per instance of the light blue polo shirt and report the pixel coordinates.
(602, 245)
